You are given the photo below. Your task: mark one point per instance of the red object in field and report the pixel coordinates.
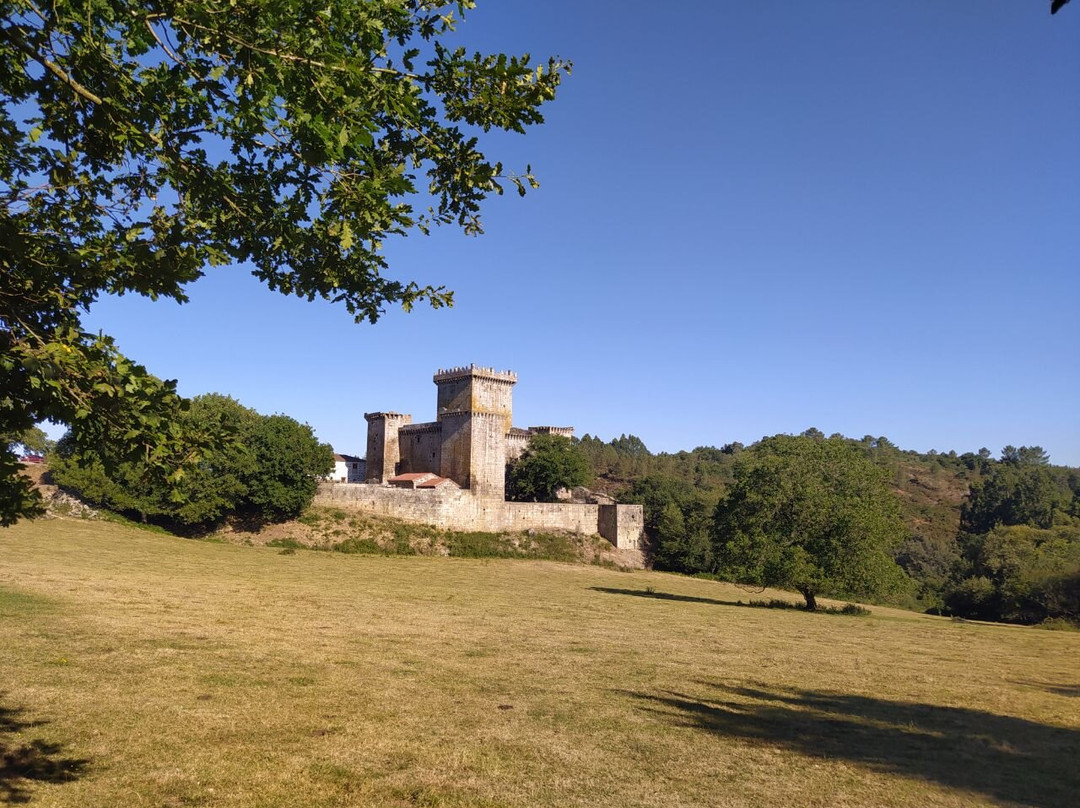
(32, 459)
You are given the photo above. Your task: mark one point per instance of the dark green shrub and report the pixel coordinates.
(360, 547)
(974, 598)
(480, 545)
(287, 544)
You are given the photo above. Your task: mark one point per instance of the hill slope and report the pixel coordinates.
(147, 669)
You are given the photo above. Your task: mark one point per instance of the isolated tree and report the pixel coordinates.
(141, 143)
(811, 515)
(549, 463)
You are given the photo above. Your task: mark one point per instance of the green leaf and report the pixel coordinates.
(346, 236)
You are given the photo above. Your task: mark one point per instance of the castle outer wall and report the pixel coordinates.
(469, 444)
(458, 509)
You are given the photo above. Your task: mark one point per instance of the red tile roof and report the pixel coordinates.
(435, 482)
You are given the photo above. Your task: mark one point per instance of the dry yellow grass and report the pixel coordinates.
(143, 670)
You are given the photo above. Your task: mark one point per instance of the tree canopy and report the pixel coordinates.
(141, 143)
(1013, 493)
(811, 515)
(267, 466)
(549, 463)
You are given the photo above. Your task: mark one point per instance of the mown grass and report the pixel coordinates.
(150, 670)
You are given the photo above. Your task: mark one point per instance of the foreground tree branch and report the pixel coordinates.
(142, 144)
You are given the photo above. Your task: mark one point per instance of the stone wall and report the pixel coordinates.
(516, 443)
(455, 458)
(421, 448)
(571, 517)
(438, 507)
(622, 525)
(487, 471)
(457, 509)
(562, 431)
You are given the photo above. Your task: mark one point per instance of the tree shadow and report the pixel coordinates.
(1004, 758)
(22, 764)
(1058, 689)
(650, 593)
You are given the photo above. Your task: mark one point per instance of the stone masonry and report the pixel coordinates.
(470, 443)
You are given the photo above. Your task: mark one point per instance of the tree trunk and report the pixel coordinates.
(811, 601)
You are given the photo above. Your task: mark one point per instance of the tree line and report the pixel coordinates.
(961, 534)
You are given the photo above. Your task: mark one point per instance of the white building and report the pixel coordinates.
(348, 469)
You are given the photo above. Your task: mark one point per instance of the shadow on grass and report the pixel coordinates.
(36, 761)
(847, 609)
(1061, 689)
(1004, 758)
(649, 593)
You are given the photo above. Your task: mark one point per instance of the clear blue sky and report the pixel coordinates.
(754, 218)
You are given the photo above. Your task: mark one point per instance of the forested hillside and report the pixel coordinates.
(992, 538)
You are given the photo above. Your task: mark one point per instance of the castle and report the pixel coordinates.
(451, 472)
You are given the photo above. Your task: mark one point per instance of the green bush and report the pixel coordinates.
(552, 547)
(248, 464)
(1059, 624)
(851, 609)
(973, 598)
(480, 545)
(359, 547)
(287, 544)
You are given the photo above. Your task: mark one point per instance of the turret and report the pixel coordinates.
(383, 450)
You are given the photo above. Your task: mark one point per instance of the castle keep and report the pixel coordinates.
(451, 472)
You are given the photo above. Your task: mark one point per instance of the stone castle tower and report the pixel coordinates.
(468, 441)
(383, 451)
(475, 411)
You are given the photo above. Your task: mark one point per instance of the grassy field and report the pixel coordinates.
(144, 670)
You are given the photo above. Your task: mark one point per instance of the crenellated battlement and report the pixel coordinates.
(467, 371)
(416, 429)
(388, 416)
(565, 431)
(473, 414)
